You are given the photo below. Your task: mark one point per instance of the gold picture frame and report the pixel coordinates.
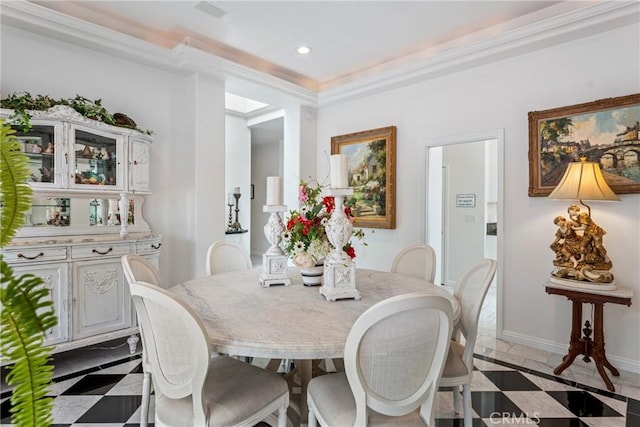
(371, 159)
(605, 131)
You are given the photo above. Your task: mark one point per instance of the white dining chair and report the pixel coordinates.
(226, 256)
(139, 269)
(394, 355)
(458, 370)
(192, 387)
(416, 260)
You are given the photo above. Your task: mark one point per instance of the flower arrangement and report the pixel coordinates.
(305, 239)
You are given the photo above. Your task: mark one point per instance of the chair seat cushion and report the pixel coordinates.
(454, 366)
(233, 391)
(333, 398)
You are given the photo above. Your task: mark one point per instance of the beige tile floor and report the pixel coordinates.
(627, 384)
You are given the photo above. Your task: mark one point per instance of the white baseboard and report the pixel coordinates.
(623, 363)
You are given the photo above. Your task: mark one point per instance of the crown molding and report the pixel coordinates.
(568, 21)
(182, 59)
(449, 58)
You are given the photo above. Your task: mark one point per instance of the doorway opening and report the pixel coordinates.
(464, 212)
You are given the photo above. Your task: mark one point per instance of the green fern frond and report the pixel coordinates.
(26, 315)
(16, 193)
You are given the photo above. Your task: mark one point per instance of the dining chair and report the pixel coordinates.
(458, 370)
(226, 256)
(191, 386)
(416, 260)
(394, 356)
(139, 269)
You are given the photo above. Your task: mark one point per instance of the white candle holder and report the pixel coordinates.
(339, 268)
(274, 261)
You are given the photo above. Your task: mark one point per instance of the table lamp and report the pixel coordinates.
(581, 259)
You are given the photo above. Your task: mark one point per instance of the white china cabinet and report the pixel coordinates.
(89, 181)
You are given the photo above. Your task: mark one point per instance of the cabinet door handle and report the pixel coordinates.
(135, 162)
(95, 251)
(156, 246)
(21, 255)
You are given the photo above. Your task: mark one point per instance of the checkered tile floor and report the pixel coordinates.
(502, 394)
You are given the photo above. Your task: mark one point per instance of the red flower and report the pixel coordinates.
(329, 203)
(350, 251)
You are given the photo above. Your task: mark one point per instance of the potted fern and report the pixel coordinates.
(26, 311)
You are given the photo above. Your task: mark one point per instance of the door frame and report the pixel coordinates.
(498, 135)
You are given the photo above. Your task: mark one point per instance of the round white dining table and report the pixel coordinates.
(288, 322)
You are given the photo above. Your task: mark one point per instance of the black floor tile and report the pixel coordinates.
(633, 419)
(489, 403)
(458, 422)
(94, 384)
(561, 422)
(111, 409)
(583, 404)
(510, 381)
(633, 406)
(5, 415)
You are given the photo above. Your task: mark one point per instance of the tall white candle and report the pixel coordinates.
(274, 191)
(230, 199)
(339, 172)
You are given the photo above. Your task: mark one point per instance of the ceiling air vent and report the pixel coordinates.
(210, 9)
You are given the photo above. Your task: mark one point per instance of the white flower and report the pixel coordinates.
(286, 236)
(298, 247)
(319, 249)
(304, 260)
(303, 211)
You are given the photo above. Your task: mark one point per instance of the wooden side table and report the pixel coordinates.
(585, 345)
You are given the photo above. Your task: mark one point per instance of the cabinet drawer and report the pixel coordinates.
(34, 254)
(148, 246)
(101, 250)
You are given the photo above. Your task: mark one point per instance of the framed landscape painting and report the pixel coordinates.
(371, 157)
(605, 131)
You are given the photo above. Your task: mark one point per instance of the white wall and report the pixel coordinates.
(465, 229)
(238, 174)
(265, 161)
(498, 96)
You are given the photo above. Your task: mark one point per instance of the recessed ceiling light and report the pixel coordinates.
(303, 50)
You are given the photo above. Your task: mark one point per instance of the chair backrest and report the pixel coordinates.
(470, 292)
(395, 354)
(417, 261)
(178, 348)
(226, 256)
(139, 269)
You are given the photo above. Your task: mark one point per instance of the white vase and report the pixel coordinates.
(313, 276)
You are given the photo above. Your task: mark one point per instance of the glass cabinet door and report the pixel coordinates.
(42, 144)
(96, 159)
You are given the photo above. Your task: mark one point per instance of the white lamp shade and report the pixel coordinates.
(583, 181)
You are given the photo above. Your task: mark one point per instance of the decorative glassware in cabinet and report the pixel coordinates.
(49, 212)
(107, 212)
(42, 145)
(96, 159)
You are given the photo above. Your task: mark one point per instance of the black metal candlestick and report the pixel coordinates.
(236, 225)
(230, 223)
